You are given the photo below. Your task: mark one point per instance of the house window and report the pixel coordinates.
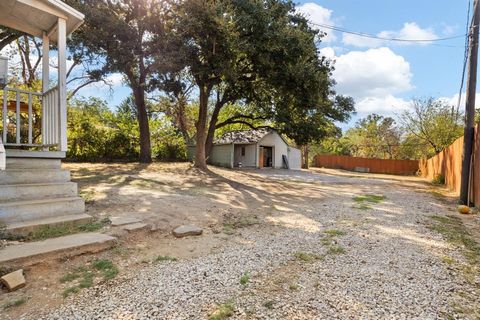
(243, 151)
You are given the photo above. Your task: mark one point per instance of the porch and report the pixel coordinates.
(34, 123)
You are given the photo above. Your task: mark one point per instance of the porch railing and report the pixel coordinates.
(30, 119)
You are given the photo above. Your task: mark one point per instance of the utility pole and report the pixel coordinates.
(470, 106)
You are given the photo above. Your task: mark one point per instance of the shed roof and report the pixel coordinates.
(35, 16)
(244, 136)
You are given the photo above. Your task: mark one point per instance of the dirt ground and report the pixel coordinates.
(227, 204)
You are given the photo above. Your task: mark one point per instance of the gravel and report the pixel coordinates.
(391, 267)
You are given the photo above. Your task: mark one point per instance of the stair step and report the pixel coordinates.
(18, 211)
(27, 176)
(33, 163)
(67, 246)
(10, 192)
(24, 228)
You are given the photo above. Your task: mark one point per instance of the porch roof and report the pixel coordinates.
(36, 16)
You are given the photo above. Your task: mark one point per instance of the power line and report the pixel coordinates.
(368, 35)
(465, 59)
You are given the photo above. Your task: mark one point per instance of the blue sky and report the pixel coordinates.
(381, 76)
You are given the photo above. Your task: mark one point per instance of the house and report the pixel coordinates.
(261, 148)
(34, 190)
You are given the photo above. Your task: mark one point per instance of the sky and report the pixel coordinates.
(382, 76)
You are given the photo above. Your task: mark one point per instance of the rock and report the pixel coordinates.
(135, 227)
(14, 280)
(188, 230)
(120, 221)
(463, 209)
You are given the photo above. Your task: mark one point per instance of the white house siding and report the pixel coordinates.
(222, 155)
(294, 158)
(280, 148)
(249, 159)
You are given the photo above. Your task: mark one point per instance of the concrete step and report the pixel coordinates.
(33, 163)
(27, 176)
(10, 192)
(33, 252)
(24, 228)
(18, 211)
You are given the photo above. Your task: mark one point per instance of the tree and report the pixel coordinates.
(374, 137)
(120, 33)
(431, 123)
(256, 53)
(8, 36)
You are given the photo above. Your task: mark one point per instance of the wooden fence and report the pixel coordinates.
(448, 164)
(387, 166)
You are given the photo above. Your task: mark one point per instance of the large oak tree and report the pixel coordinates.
(257, 53)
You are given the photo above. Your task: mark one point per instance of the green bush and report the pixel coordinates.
(439, 179)
(97, 133)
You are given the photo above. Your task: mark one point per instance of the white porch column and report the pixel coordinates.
(45, 62)
(45, 78)
(62, 83)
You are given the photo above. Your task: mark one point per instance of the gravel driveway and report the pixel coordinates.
(324, 248)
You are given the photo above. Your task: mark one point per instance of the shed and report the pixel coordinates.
(261, 148)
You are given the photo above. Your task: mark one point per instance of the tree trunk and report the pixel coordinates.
(145, 148)
(212, 127)
(305, 156)
(201, 125)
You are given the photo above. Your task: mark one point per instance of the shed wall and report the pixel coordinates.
(222, 155)
(294, 158)
(249, 159)
(274, 140)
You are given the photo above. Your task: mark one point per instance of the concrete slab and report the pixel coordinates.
(14, 280)
(75, 244)
(120, 221)
(135, 226)
(24, 228)
(187, 230)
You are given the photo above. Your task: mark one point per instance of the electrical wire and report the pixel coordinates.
(367, 35)
(465, 59)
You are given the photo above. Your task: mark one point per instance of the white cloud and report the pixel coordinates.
(453, 101)
(373, 78)
(384, 105)
(115, 79)
(375, 72)
(320, 15)
(410, 30)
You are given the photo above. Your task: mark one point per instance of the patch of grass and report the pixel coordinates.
(14, 303)
(336, 250)
(268, 304)
(326, 241)
(448, 260)
(293, 287)
(223, 311)
(84, 277)
(363, 207)
(453, 230)
(54, 231)
(88, 196)
(372, 198)
(108, 269)
(335, 232)
(68, 291)
(228, 229)
(438, 180)
(165, 258)
(244, 278)
(77, 273)
(306, 257)
(231, 224)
